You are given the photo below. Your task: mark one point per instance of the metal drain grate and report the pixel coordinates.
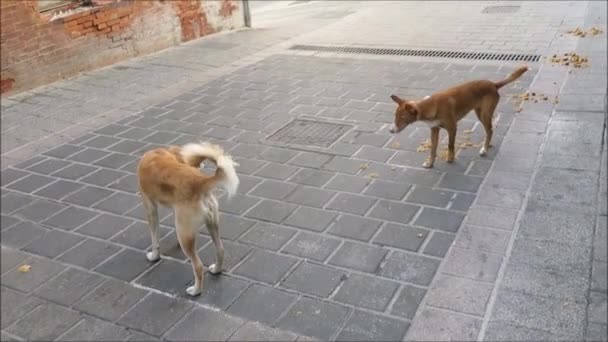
(501, 9)
(305, 132)
(421, 53)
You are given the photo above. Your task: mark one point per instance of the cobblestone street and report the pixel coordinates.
(337, 232)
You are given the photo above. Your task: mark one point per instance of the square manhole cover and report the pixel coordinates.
(501, 9)
(306, 132)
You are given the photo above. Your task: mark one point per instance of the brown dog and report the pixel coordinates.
(172, 177)
(446, 108)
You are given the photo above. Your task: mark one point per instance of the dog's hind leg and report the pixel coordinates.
(212, 223)
(152, 215)
(187, 221)
(451, 143)
(485, 115)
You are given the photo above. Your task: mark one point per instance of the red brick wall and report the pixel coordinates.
(37, 50)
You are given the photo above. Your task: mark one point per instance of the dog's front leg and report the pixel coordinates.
(451, 143)
(434, 142)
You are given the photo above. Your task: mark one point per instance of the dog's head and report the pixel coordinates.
(405, 114)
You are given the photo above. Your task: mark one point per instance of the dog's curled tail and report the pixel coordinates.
(225, 175)
(515, 75)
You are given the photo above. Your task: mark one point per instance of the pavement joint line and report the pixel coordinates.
(337, 331)
(287, 309)
(376, 233)
(502, 269)
(454, 311)
(427, 240)
(443, 262)
(396, 295)
(291, 270)
(15, 337)
(74, 246)
(82, 319)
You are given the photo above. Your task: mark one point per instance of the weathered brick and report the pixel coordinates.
(40, 210)
(394, 211)
(411, 268)
(110, 300)
(313, 279)
(40, 272)
(399, 236)
(53, 243)
(311, 246)
(17, 305)
(363, 326)
(366, 292)
(407, 301)
(310, 218)
(272, 211)
(155, 314)
(445, 220)
(273, 189)
(69, 286)
(347, 183)
(204, 324)
(59, 189)
(428, 196)
(310, 196)
(355, 204)
(126, 265)
(31, 183)
(439, 244)
(254, 267)
(22, 234)
(354, 227)
(50, 321)
(276, 171)
(312, 317)
(261, 303)
(358, 257)
(267, 236)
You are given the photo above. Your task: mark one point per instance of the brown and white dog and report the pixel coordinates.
(446, 108)
(171, 177)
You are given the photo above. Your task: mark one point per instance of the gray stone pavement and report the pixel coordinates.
(348, 241)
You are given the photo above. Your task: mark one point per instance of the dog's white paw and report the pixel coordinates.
(427, 165)
(213, 269)
(153, 256)
(193, 291)
(483, 151)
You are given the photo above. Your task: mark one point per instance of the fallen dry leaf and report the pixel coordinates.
(363, 166)
(571, 59)
(533, 97)
(396, 144)
(594, 31)
(424, 146)
(373, 175)
(25, 268)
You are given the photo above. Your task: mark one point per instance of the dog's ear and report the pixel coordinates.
(397, 99)
(411, 109)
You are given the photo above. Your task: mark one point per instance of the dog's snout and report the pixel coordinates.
(393, 129)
